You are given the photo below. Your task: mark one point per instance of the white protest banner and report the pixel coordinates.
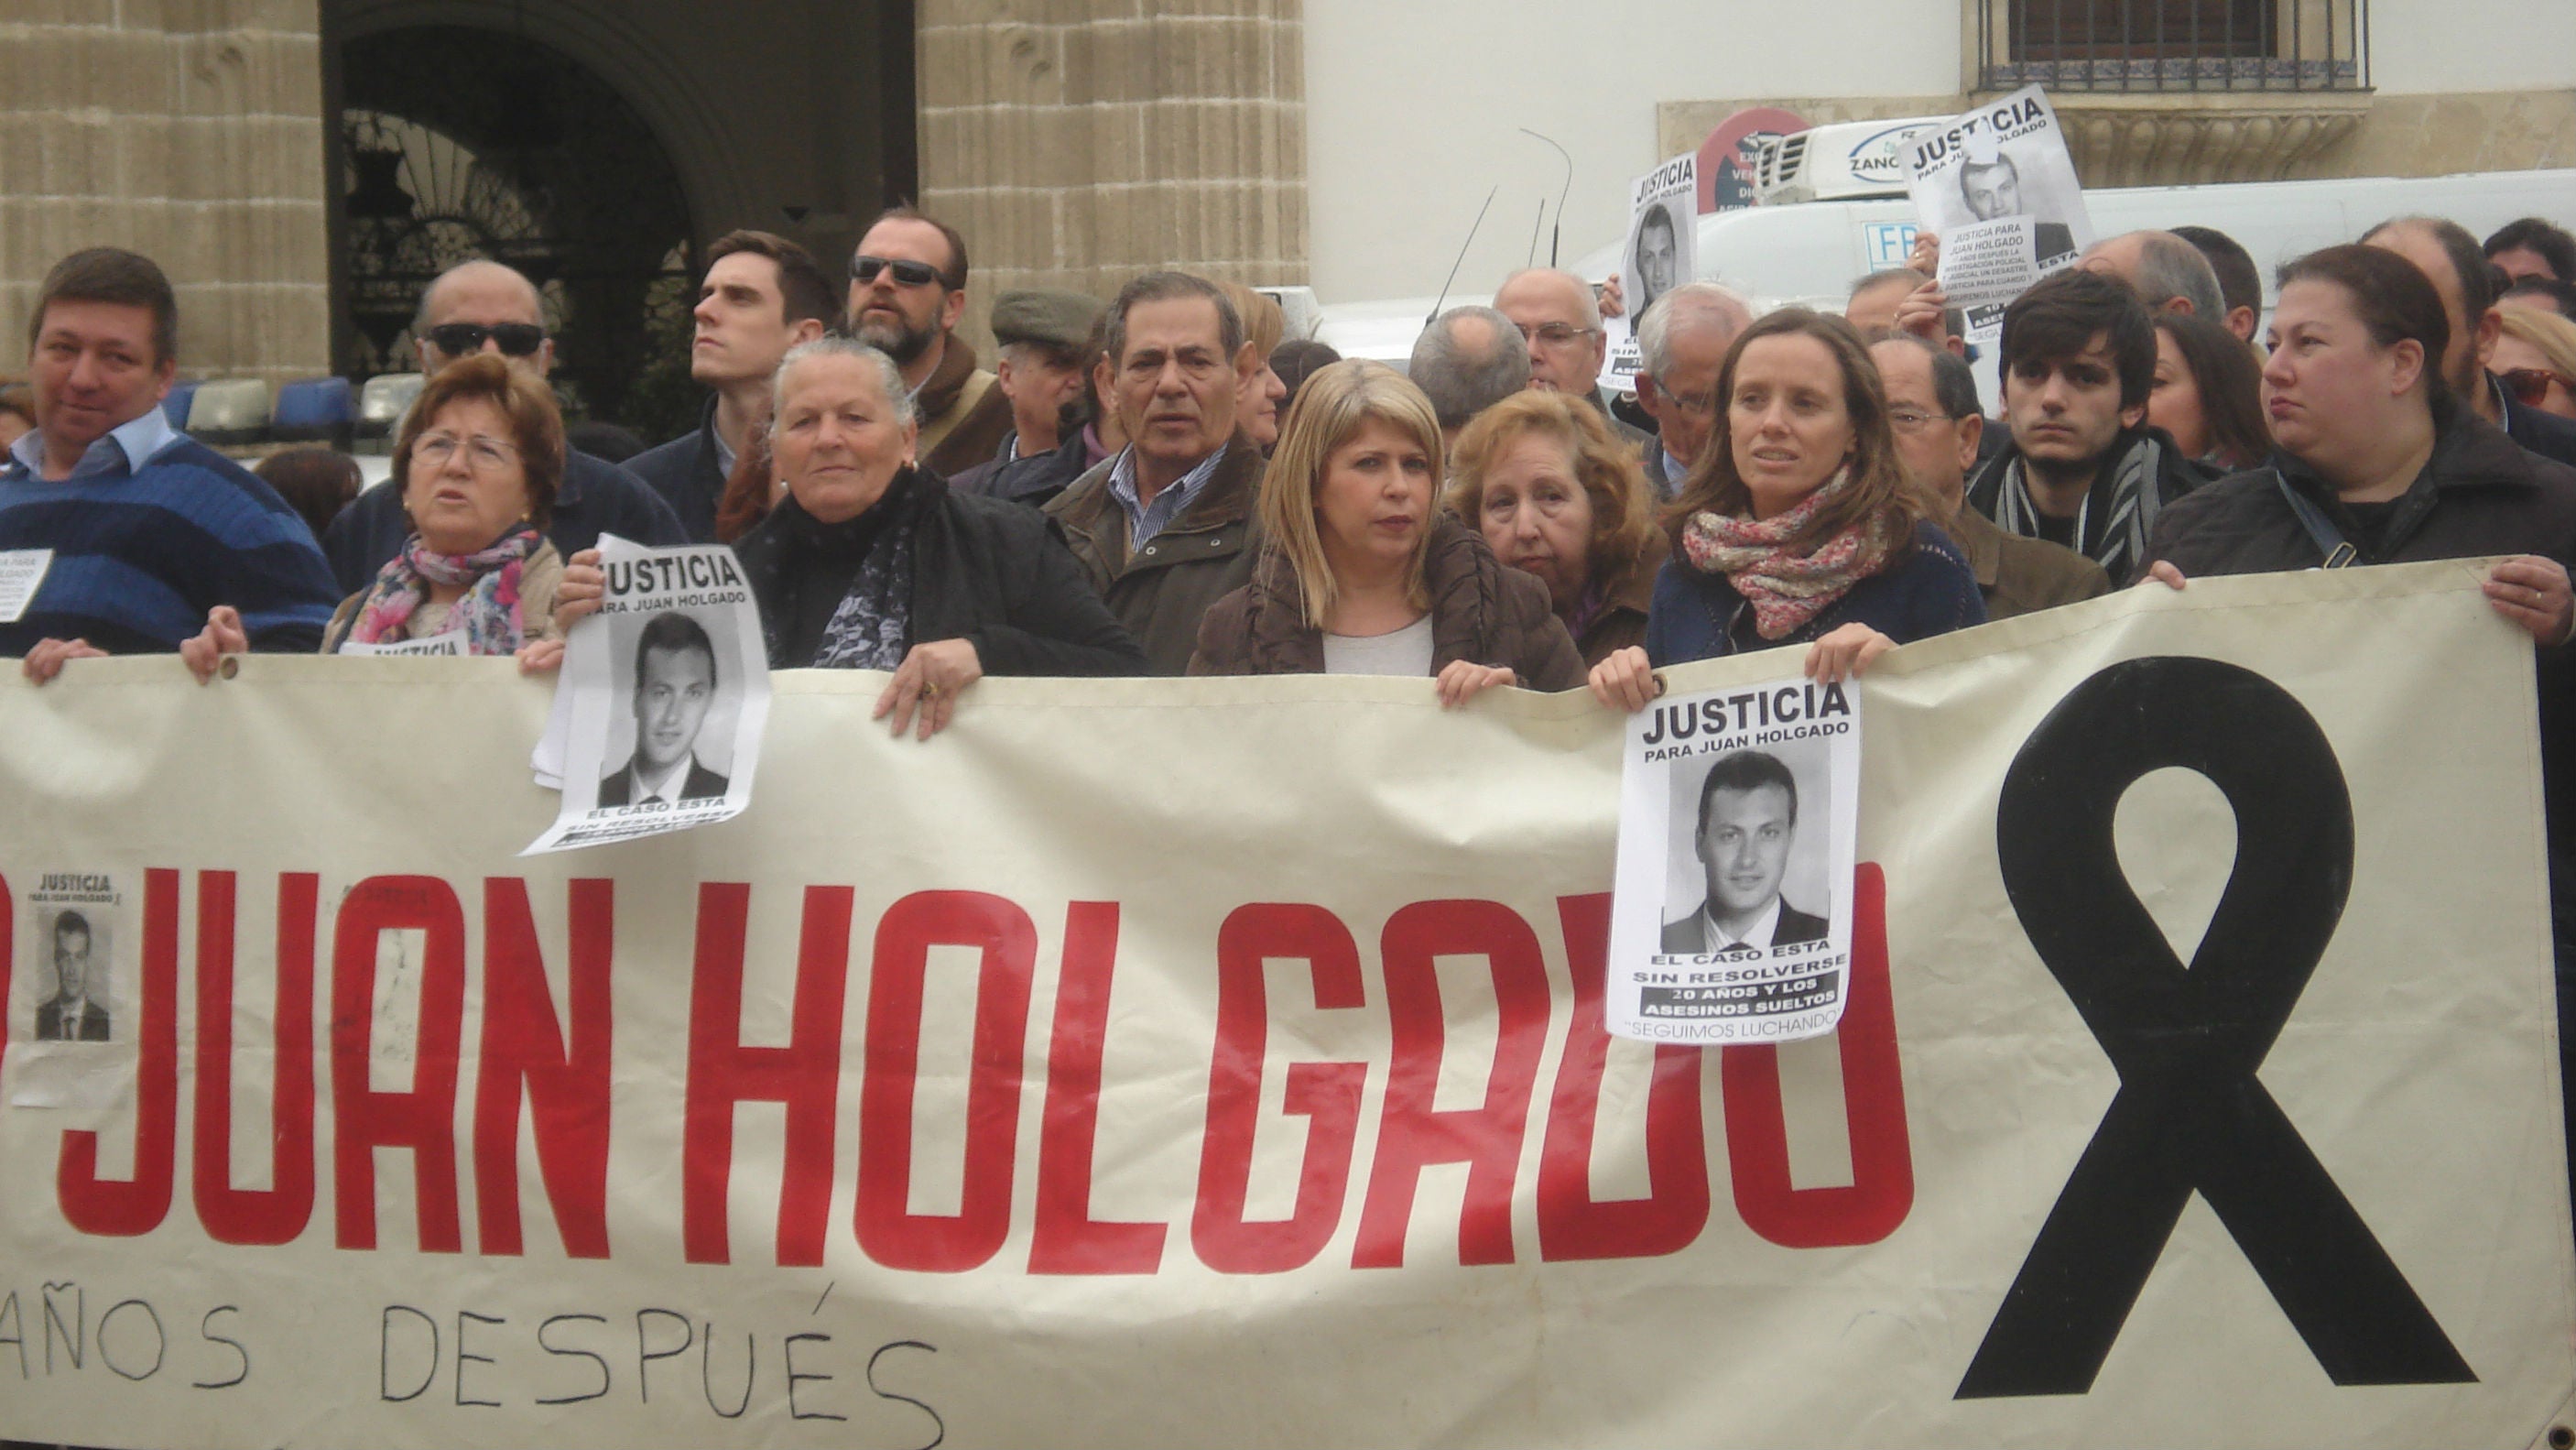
(449, 646)
(1662, 252)
(1998, 187)
(1222, 1062)
(1734, 806)
(670, 681)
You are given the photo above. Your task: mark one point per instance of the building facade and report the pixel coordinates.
(301, 166)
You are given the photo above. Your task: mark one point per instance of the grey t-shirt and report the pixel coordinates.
(1406, 651)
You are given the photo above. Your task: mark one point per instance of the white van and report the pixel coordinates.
(1811, 252)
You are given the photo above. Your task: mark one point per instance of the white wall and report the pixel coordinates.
(1412, 105)
(2472, 45)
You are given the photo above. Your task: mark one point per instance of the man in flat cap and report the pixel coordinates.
(1047, 342)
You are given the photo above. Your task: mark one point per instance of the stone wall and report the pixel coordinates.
(190, 131)
(1078, 142)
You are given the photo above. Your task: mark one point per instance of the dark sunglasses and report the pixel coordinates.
(460, 339)
(910, 274)
(2530, 386)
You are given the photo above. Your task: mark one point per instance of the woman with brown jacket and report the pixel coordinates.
(1362, 574)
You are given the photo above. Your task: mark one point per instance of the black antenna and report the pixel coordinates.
(1535, 223)
(1556, 234)
(1462, 253)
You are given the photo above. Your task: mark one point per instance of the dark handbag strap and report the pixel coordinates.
(2330, 541)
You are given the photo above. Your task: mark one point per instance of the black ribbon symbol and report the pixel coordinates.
(2190, 1114)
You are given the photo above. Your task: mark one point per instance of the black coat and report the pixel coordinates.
(688, 475)
(995, 574)
(596, 497)
(2480, 494)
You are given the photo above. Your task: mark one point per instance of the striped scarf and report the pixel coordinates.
(2129, 511)
(1788, 585)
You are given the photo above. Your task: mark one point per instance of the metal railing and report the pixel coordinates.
(2167, 46)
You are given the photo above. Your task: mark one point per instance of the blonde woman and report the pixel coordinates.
(1557, 496)
(1257, 400)
(2535, 359)
(1362, 575)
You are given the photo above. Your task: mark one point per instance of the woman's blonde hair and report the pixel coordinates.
(2552, 334)
(1332, 407)
(1614, 481)
(1879, 480)
(1263, 323)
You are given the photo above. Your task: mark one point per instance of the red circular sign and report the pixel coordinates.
(1726, 157)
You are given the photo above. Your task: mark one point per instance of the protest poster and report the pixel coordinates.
(22, 573)
(70, 1009)
(1181, 1062)
(1735, 806)
(1660, 254)
(1997, 186)
(669, 690)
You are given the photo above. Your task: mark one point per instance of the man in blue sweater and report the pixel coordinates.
(118, 532)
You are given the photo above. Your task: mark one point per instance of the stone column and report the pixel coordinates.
(1078, 142)
(189, 131)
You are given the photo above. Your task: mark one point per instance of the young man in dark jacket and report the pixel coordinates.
(2085, 469)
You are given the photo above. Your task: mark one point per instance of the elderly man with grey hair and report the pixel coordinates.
(476, 307)
(1560, 320)
(2168, 273)
(1466, 361)
(1682, 340)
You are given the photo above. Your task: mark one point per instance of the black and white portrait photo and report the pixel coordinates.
(77, 1011)
(1656, 260)
(1745, 831)
(675, 683)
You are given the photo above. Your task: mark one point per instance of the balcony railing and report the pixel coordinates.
(2174, 46)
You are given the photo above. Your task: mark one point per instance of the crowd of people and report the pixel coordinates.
(1163, 483)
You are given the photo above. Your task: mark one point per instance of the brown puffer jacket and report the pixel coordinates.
(1480, 611)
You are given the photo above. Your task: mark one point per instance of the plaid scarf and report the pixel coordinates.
(2117, 538)
(488, 616)
(1788, 585)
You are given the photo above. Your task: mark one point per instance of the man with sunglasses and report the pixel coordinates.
(2450, 257)
(1682, 338)
(1561, 322)
(486, 307)
(907, 291)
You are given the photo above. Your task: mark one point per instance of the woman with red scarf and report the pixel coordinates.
(1798, 526)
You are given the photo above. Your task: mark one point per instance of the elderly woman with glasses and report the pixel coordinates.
(479, 458)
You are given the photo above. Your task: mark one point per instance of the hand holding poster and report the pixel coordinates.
(1999, 189)
(1661, 254)
(1735, 806)
(669, 687)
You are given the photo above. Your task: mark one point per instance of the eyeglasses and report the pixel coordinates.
(483, 454)
(865, 268)
(463, 339)
(1556, 334)
(1906, 420)
(2530, 386)
(1695, 404)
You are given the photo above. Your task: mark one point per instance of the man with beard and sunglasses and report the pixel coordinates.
(486, 307)
(907, 291)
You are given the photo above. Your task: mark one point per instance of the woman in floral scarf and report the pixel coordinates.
(478, 459)
(1798, 526)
